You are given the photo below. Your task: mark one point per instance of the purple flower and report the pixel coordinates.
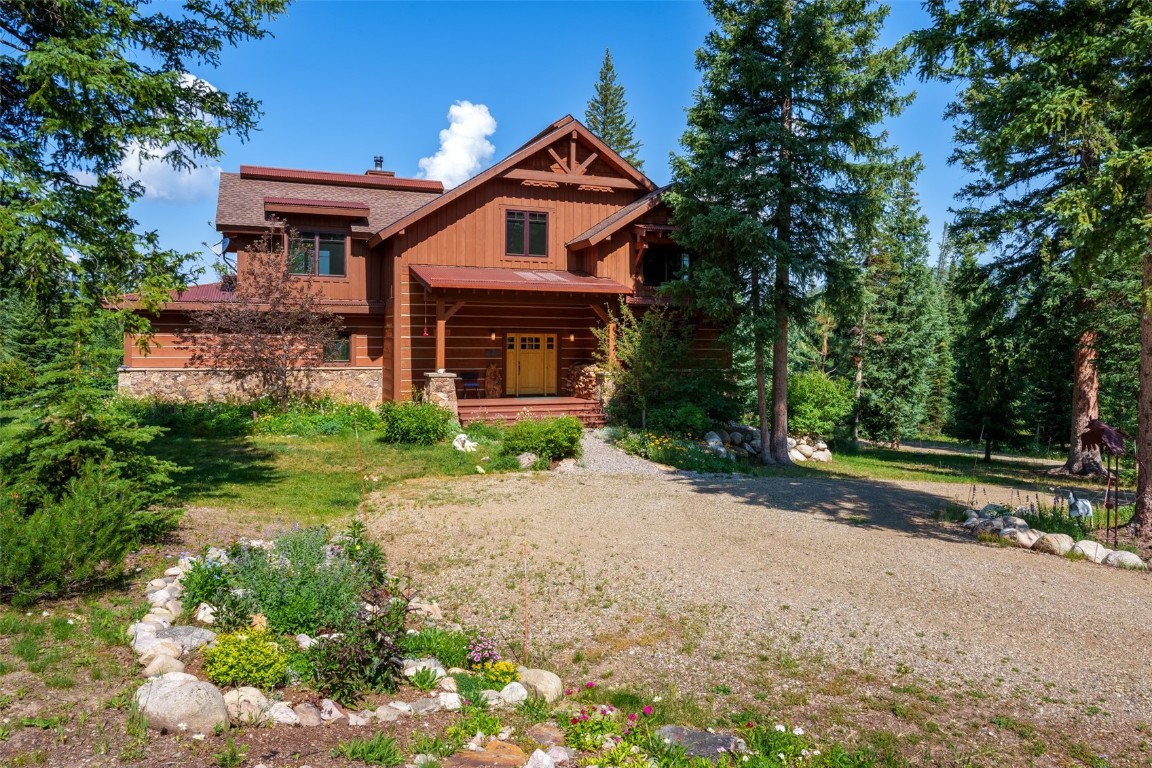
(648, 710)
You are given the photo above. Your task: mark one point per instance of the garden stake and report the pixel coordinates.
(360, 456)
(524, 652)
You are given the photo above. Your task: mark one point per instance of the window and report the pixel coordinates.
(526, 233)
(339, 351)
(317, 253)
(663, 263)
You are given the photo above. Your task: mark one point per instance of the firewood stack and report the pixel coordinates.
(581, 381)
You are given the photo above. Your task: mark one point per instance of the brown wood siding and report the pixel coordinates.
(362, 283)
(469, 232)
(367, 336)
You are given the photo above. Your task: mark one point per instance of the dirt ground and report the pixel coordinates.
(846, 604)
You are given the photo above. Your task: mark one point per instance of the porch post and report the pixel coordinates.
(612, 343)
(441, 389)
(441, 325)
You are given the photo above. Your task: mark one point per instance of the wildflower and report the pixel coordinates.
(749, 724)
(70, 621)
(657, 699)
(745, 758)
(780, 728)
(575, 720)
(648, 710)
(816, 752)
(182, 726)
(45, 613)
(567, 691)
(631, 717)
(590, 684)
(198, 737)
(804, 753)
(780, 755)
(711, 730)
(797, 731)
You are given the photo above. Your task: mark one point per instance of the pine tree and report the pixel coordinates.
(782, 141)
(607, 115)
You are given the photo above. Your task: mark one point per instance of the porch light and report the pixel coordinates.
(571, 336)
(492, 334)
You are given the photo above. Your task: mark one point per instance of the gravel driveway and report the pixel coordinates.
(780, 587)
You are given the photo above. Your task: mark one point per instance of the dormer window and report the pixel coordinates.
(526, 233)
(318, 253)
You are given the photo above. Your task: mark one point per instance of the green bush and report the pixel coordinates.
(414, 422)
(304, 585)
(247, 657)
(817, 404)
(322, 416)
(69, 544)
(554, 438)
(365, 655)
(449, 648)
(203, 583)
(684, 420)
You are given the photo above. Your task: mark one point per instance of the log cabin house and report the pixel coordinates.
(498, 282)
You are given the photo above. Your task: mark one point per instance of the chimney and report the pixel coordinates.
(378, 168)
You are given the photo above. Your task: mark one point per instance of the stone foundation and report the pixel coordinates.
(360, 385)
(441, 390)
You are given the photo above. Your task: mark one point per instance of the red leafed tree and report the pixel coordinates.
(270, 327)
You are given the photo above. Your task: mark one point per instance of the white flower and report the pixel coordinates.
(780, 755)
(667, 741)
(657, 699)
(70, 621)
(45, 613)
(182, 726)
(198, 737)
(711, 730)
(745, 758)
(780, 728)
(797, 731)
(804, 752)
(816, 752)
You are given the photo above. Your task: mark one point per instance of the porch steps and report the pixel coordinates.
(507, 410)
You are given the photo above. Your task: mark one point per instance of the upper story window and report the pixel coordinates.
(318, 253)
(526, 233)
(662, 263)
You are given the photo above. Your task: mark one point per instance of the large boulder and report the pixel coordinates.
(542, 684)
(1091, 550)
(162, 665)
(513, 694)
(178, 701)
(246, 705)
(1021, 537)
(697, 743)
(189, 638)
(1054, 544)
(1128, 560)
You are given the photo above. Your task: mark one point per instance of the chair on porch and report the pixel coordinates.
(470, 382)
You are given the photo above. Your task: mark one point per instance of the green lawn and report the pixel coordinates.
(313, 479)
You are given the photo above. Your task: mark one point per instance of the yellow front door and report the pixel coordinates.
(531, 363)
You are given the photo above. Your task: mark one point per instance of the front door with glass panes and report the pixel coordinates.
(531, 364)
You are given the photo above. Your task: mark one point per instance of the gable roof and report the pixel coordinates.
(241, 204)
(502, 279)
(618, 220)
(536, 144)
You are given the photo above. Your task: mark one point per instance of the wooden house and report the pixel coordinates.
(497, 282)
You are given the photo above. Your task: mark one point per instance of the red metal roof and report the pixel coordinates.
(373, 180)
(499, 279)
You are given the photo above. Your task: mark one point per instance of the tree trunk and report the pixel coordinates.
(1142, 519)
(1085, 406)
(859, 380)
(987, 450)
(762, 404)
(780, 368)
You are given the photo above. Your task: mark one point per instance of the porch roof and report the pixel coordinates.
(499, 279)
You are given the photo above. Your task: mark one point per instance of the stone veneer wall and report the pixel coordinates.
(361, 385)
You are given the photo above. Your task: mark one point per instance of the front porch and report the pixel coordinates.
(506, 410)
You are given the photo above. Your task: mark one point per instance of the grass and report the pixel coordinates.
(313, 479)
(887, 464)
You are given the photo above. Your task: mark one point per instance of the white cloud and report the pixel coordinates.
(464, 145)
(161, 181)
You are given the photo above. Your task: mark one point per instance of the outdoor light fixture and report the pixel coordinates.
(571, 336)
(492, 334)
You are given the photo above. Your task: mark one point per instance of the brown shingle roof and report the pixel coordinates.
(241, 201)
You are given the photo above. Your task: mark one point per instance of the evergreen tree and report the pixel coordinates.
(782, 141)
(84, 85)
(899, 338)
(607, 115)
(937, 408)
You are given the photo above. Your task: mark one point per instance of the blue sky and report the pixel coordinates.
(343, 81)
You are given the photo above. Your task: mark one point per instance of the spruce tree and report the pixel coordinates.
(607, 115)
(783, 140)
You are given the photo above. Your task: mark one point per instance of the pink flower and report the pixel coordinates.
(632, 717)
(575, 720)
(590, 685)
(648, 710)
(567, 691)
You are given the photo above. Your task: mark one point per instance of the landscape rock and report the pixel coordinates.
(540, 759)
(304, 642)
(1011, 521)
(401, 706)
(425, 706)
(1027, 537)
(1054, 544)
(162, 665)
(497, 754)
(170, 700)
(545, 734)
(542, 684)
(388, 714)
(490, 697)
(427, 609)
(822, 455)
(308, 715)
(331, 712)
(163, 622)
(697, 743)
(411, 666)
(189, 638)
(1091, 550)
(560, 755)
(450, 701)
(992, 525)
(359, 720)
(281, 713)
(796, 456)
(447, 684)
(513, 694)
(160, 648)
(205, 614)
(246, 705)
(804, 450)
(174, 607)
(1123, 559)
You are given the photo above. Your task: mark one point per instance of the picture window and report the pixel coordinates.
(526, 233)
(318, 253)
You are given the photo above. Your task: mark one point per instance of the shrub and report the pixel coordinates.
(684, 420)
(554, 438)
(322, 416)
(591, 727)
(304, 585)
(449, 648)
(817, 404)
(68, 544)
(414, 422)
(247, 657)
(202, 583)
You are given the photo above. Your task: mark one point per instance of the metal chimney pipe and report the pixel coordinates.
(378, 162)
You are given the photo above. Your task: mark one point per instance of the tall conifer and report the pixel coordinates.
(607, 115)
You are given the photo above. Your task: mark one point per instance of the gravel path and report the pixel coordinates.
(661, 577)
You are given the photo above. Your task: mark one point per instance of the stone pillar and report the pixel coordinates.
(441, 390)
